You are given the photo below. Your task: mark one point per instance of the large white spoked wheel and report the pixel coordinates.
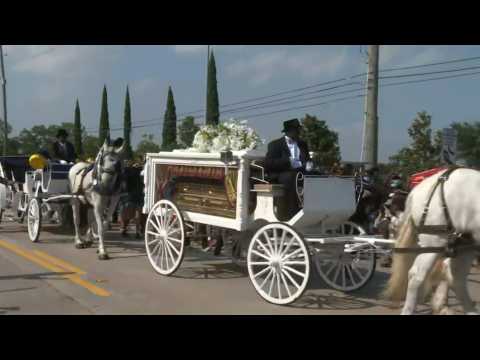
(165, 237)
(343, 267)
(278, 263)
(34, 219)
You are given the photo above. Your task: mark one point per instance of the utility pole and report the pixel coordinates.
(4, 96)
(370, 135)
(206, 93)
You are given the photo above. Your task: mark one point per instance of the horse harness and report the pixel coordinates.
(97, 169)
(455, 241)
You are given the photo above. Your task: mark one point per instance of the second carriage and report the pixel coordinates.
(39, 190)
(228, 191)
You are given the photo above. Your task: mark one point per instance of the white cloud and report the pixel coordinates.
(307, 63)
(63, 60)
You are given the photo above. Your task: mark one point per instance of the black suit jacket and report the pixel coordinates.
(68, 155)
(278, 155)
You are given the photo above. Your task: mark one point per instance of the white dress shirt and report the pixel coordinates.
(294, 153)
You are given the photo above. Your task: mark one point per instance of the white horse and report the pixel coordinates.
(412, 273)
(97, 187)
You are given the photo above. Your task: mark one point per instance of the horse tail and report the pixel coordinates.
(397, 285)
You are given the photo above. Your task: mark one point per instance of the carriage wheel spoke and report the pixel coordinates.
(260, 255)
(337, 273)
(282, 240)
(344, 281)
(284, 281)
(155, 226)
(262, 272)
(271, 284)
(357, 271)
(350, 274)
(277, 275)
(290, 278)
(266, 278)
(260, 263)
(152, 233)
(288, 247)
(169, 252)
(331, 268)
(296, 272)
(264, 248)
(153, 241)
(293, 263)
(174, 239)
(275, 237)
(176, 230)
(265, 235)
(292, 254)
(173, 248)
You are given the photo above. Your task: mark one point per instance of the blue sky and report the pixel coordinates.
(44, 81)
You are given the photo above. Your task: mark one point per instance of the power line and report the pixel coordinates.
(430, 73)
(346, 78)
(324, 103)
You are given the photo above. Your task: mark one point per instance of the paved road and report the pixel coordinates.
(52, 277)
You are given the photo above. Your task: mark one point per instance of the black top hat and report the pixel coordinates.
(291, 124)
(62, 132)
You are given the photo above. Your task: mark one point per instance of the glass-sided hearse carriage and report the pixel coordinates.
(229, 191)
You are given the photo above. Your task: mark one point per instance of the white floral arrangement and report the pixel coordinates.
(232, 135)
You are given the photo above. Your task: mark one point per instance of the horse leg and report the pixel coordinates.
(416, 277)
(99, 209)
(111, 209)
(460, 268)
(440, 299)
(79, 244)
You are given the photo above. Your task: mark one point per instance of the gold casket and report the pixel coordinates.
(202, 189)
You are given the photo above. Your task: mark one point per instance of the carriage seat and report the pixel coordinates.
(60, 171)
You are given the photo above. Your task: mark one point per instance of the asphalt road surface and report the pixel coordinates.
(52, 277)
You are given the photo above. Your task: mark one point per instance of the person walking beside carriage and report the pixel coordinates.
(286, 157)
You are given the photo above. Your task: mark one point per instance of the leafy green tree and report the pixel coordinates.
(169, 135)
(187, 131)
(213, 112)
(90, 146)
(322, 141)
(468, 142)
(77, 131)
(147, 145)
(423, 151)
(104, 127)
(40, 137)
(12, 144)
(127, 126)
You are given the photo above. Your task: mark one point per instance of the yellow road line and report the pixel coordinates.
(52, 267)
(59, 262)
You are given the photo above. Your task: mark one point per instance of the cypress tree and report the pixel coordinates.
(169, 136)
(77, 131)
(127, 126)
(213, 112)
(104, 128)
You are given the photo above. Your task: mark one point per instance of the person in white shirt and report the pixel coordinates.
(286, 157)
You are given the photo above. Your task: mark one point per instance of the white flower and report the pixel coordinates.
(231, 135)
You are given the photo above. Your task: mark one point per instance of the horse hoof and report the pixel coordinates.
(89, 244)
(80, 246)
(103, 256)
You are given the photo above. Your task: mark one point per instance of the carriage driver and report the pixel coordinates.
(286, 157)
(63, 149)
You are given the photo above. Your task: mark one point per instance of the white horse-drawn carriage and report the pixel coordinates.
(36, 192)
(229, 191)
